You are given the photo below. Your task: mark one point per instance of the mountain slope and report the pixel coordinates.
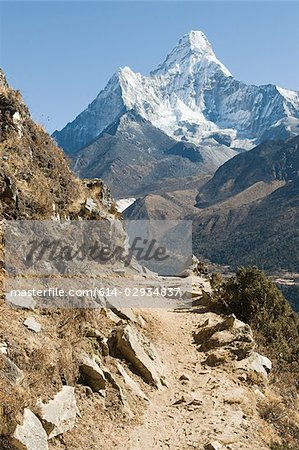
(250, 209)
(268, 162)
(132, 156)
(169, 205)
(35, 178)
(247, 213)
(263, 232)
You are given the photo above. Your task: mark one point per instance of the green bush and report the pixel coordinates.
(256, 300)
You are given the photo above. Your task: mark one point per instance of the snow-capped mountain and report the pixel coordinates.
(193, 97)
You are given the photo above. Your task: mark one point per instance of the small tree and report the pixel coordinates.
(256, 300)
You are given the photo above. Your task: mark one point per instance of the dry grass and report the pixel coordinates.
(38, 171)
(284, 420)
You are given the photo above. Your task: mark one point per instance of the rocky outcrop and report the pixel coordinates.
(59, 414)
(141, 353)
(130, 383)
(10, 370)
(31, 434)
(30, 158)
(91, 373)
(230, 333)
(231, 341)
(101, 190)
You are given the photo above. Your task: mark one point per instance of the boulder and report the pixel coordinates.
(32, 324)
(91, 373)
(31, 434)
(10, 370)
(130, 383)
(255, 363)
(3, 348)
(128, 314)
(137, 349)
(21, 301)
(230, 333)
(215, 445)
(59, 414)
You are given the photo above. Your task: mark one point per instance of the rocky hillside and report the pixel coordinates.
(35, 178)
(269, 162)
(249, 209)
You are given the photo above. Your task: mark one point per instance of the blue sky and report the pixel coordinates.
(61, 54)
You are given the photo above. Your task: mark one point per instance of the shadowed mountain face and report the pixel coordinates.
(264, 232)
(133, 157)
(272, 161)
(193, 111)
(250, 209)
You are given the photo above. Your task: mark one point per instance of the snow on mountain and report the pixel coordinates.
(124, 203)
(192, 97)
(193, 49)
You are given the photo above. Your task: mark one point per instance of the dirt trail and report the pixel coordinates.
(210, 405)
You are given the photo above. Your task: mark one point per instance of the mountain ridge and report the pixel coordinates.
(132, 156)
(190, 96)
(271, 161)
